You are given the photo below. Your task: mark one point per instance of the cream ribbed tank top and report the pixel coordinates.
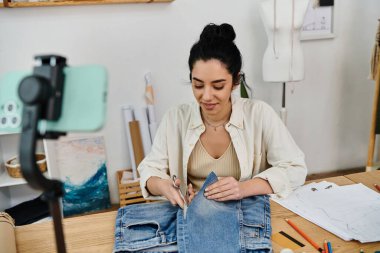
(202, 163)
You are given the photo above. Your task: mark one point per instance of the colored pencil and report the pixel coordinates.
(329, 247)
(304, 235)
(326, 247)
(377, 187)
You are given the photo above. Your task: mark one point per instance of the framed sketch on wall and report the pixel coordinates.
(318, 23)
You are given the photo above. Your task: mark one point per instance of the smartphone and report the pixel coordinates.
(83, 104)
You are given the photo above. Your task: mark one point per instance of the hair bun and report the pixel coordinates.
(213, 32)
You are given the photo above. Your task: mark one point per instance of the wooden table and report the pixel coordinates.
(317, 233)
(84, 234)
(95, 233)
(366, 178)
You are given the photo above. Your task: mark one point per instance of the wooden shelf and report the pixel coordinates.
(77, 2)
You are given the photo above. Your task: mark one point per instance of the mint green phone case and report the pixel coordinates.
(83, 105)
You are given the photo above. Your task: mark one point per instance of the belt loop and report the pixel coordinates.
(163, 237)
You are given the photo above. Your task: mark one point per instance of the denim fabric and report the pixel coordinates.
(230, 226)
(210, 226)
(146, 226)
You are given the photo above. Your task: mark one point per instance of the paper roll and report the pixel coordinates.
(151, 114)
(149, 96)
(127, 112)
(127, 176)
(153, 130)
(137, 144)
(7, 234)
(142, 117)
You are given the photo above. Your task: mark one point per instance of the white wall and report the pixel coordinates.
(329, 112)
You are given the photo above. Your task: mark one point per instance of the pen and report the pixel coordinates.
(329, 247)
(377, 187)
(315, 245)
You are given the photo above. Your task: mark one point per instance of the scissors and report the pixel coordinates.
(174, 177)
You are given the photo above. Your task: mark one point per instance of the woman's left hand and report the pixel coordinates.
(227, 188)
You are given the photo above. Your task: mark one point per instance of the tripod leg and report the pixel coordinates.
(55, 211)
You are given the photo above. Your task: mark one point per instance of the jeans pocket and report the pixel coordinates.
(141, 231)
(253, 231)
(255, 238)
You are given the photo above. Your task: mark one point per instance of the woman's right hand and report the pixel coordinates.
(165, 187)
(172, 193)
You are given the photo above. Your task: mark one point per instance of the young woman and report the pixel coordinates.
(242, 140)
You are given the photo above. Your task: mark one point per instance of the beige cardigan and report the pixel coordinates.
(263, 145)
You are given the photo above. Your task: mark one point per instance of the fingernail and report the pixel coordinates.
(206, 189)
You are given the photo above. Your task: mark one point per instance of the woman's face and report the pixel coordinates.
(212, 86)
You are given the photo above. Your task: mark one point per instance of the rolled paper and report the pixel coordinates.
(149, 94)
(127, 112)
(138, 149)
(153, 130)
(151, 114)
(149, 97)
(142, 117)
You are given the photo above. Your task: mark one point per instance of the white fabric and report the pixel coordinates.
(257, 133)
(283, 58)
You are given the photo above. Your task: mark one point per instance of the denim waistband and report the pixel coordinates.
(209, 226)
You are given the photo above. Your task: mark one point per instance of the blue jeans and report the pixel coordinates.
(241, 226)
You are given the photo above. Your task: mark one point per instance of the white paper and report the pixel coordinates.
(350, 212)
(317, 20)
(127, 112)
(127, 177)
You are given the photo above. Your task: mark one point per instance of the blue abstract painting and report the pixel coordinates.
(82, 166)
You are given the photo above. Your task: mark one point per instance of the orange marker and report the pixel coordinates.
(377, 187)
(326, 247)
(315, 245)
